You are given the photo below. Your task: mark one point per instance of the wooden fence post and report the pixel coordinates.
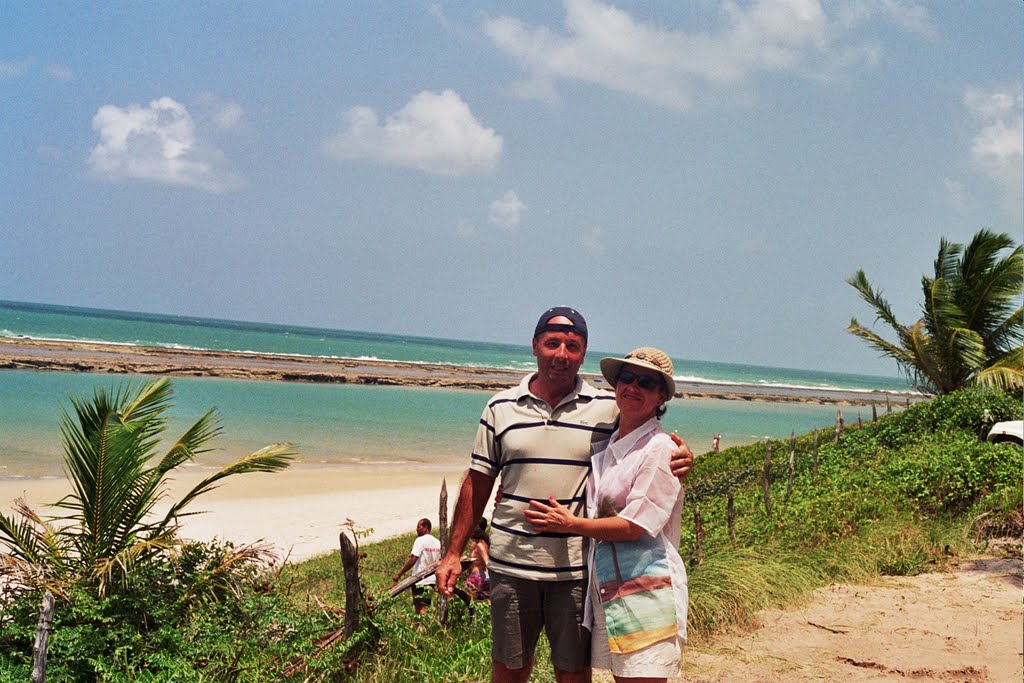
(353, 602)
(442, 517)
(731, 520)
(42, 638)
(888, 406)
(860, 423)
(815, 452)
(699, 524)
(792, 463)
(767, 477)
(839, 425)
(874, 413)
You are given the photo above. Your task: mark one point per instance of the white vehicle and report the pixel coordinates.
(1007, 432)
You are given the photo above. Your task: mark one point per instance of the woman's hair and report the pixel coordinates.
(480, 532)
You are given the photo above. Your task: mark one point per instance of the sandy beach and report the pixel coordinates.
(299, 511)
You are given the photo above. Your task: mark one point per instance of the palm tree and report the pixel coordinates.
(110, 523)
(970, 331)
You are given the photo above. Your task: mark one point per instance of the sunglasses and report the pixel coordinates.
(645, 382)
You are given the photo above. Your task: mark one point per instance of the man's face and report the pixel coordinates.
(559, 354)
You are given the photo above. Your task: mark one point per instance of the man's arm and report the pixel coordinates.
(476, 489)
(682, 459)
(406, 567)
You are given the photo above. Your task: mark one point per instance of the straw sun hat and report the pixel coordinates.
(643, 357)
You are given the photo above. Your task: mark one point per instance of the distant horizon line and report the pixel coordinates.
(232, 323)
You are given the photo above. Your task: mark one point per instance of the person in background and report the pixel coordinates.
(715, 442)
(426, 549)
(478, 583)
(539, 436)
(637, 594)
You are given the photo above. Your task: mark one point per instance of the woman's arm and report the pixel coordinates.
(552, 516)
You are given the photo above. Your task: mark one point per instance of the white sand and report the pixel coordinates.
(299, 511)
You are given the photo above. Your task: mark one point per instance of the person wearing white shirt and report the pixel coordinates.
(425, 550)
(637, 581)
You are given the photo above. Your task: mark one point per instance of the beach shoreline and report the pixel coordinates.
(298, 512)
(95, 357)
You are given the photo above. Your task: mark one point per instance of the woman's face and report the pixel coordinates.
(639, 392)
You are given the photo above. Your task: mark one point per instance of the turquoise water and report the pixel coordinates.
(63, 322)
(339, 424)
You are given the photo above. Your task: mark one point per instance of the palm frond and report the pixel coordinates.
(191, 442)
(883, 311)
(1007, 373)
(947, 260)
(272, 458)
(119, 566)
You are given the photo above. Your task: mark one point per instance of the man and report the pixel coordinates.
(539, 436)
(425, 550)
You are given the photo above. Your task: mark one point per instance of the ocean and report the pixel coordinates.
(332, 424)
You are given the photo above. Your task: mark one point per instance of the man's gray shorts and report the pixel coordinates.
(520, 608)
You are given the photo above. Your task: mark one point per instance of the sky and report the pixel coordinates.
(699, 176)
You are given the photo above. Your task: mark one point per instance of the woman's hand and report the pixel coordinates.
(550, 516)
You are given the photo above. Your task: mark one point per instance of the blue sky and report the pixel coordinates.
(700, 176)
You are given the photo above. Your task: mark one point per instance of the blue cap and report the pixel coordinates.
(579, 325)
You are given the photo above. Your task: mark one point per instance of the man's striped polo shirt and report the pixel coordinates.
(539, 452)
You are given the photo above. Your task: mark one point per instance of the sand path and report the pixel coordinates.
(965, 625)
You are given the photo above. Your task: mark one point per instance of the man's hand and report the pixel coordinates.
(682, 459)
(447, 574)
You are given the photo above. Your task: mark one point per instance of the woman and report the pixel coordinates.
(637, 585)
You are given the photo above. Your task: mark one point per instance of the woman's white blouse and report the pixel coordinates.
(633, 476)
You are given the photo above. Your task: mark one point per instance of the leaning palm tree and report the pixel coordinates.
(110, 523)
(970, 331)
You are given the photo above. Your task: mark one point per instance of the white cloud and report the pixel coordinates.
(608, 47)
(997, 150)
(434, 133)
(15, 69)
(222, 114)
(157, 143)
(60, 72)
(909, 16)
(465, 228)
(592, 242)
(506, 211)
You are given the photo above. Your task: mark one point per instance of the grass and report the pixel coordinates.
(900, 496)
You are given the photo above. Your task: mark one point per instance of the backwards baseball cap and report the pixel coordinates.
(578, 325)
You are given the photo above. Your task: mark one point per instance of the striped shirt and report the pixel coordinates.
(539, 452)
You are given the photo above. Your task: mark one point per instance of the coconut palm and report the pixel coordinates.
(970, 331)
(110, 522)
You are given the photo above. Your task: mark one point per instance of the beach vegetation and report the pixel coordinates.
(905, 494)
(110, 526)
(970, 330)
